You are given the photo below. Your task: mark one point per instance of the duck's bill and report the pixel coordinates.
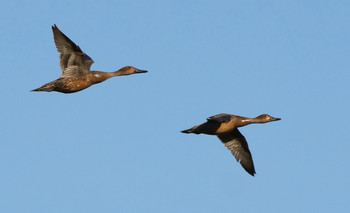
(140, 71)
(275, 119)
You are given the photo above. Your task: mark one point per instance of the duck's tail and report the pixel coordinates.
(40, 90)
(37, 90)
(194, 130)
(45, 88)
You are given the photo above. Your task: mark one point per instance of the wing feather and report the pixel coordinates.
(237, 144)
(73, 61)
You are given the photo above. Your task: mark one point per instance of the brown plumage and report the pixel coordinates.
(75, 66)
(225, 126)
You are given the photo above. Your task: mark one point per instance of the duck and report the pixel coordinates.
(75, 66)
(225, 127)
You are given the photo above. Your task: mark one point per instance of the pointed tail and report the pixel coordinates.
(37, 90)
(191, 130)
(46, 88)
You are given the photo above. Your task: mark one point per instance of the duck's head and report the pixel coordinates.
(265, 118)
(129, 70)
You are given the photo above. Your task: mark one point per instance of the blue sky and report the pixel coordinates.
(117, 146)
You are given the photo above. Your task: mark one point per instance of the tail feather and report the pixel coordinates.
(208, 128)
(37, 90)
(191, 130)
(46, 88)
(186, 131)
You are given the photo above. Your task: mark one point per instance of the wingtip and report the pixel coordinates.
(252, 173)
(54, 27)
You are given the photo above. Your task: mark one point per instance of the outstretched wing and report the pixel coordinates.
(237, 144)
(73, 61)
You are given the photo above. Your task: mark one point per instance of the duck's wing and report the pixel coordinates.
(237, 144)
(73, 61)
(220, 118)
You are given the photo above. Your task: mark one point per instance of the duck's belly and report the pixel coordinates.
(72, 85)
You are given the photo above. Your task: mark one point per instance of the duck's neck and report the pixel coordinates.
(243, 121)
(117, 73)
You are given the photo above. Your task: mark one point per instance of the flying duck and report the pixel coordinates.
(225, 126)
(75, 66)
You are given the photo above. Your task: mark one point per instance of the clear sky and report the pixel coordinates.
(117, 146)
